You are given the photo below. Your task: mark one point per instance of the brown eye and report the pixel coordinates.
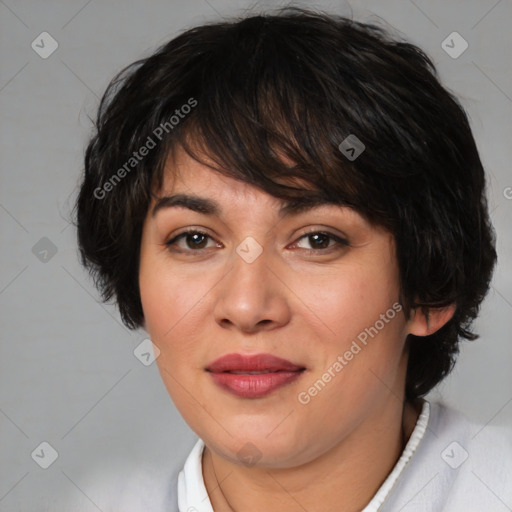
(191, 241)
(319, 240)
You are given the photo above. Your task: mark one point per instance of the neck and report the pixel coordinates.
(344, 478)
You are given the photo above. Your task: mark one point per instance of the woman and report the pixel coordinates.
(293, 207)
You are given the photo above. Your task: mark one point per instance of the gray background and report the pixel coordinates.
(67, 369)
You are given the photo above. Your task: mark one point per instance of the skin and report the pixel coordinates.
(298, 301)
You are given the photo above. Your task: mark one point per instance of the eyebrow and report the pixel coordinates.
(208, 206)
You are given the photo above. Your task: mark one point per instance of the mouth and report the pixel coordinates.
(253, 376)
(253, 372)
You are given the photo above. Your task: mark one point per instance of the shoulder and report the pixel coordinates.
(481, 461)
(458, 465)
(483, 443)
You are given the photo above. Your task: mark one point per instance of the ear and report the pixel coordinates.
(424, 324)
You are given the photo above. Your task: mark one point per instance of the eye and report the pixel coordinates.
(197, 241)
(320, 241)
(192, 240)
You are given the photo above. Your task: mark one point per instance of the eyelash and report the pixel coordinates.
(340, 241)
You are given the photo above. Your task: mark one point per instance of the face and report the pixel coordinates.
(318, 289)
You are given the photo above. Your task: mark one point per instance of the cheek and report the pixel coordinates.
(361, 337)
(172, 311)
(178, 318)
(169, 299)
(342, 304)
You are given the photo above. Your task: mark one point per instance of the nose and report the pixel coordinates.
(252, 297)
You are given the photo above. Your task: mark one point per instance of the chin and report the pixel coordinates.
(265, 442)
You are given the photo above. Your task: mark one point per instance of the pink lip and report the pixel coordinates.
(277, 372)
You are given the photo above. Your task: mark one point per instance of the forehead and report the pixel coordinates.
(183, 173)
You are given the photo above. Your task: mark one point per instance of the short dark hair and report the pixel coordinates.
(270, 98)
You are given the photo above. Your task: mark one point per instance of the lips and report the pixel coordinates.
(253, 376)
(258, 363)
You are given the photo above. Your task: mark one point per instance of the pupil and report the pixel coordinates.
(316, 237)
(196, 238)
